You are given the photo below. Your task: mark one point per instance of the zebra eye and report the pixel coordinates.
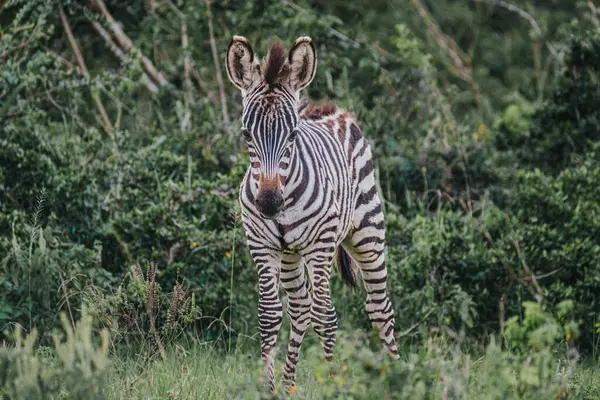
(293, 135)
(247, 136)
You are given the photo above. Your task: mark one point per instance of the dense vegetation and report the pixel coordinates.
(123, 268)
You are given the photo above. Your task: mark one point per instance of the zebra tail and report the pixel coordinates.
(344, 263)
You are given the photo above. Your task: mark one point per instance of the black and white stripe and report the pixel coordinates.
(321, 166)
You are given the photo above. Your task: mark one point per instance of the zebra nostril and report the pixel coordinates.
(269, 202)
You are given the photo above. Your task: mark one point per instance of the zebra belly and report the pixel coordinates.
(300, 236)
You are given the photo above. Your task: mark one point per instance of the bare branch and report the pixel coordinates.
(187, 62)
(524, 14)
(127, 45)
(460, 60)
(187, 65)
(200, 81)
(21, 45)
(175, 9)
(213, 46)
(594, 12)
(83, 69)
(119, 53)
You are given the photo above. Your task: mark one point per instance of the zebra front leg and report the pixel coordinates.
(323, 315)
(293, 279)
(270, 313)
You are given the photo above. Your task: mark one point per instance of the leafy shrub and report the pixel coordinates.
(73, 369)
(39, 271)
(436, 369)
(539, 328)
(139, 314)
(563, 126)
(472, 233)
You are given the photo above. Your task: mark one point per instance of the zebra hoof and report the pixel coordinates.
(292, 389)
(332, 375)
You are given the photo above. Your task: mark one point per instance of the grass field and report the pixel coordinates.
(84, 364)
(432, 372)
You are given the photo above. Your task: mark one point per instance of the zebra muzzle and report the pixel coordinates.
(269, 202)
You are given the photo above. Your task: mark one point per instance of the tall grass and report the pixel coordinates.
(437, 371)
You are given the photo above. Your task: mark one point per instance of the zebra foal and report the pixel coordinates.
(309, 191)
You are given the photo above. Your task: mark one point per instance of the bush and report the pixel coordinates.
(472, 230)
(73, 369)
(437, 369)
(562, 127)
(139, 314)
(470, 273)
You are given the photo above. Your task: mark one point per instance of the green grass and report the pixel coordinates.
(81, 366)
(202, 372)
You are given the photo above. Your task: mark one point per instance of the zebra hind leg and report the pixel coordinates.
(323, 315)
(293, 279)
(366, 246)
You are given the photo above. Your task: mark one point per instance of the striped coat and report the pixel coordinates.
(308, 195)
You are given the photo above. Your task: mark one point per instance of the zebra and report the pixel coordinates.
(309, 194)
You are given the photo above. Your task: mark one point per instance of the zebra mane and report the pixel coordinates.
(276, 67)
(318, 110)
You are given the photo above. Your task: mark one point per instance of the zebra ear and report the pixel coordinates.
(303, 63)
(242, 67)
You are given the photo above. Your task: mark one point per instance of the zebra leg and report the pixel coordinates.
(270, 312)
(293, 279)
(322, 313)
(366, 245)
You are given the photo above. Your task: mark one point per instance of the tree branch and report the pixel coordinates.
(119, 53)
(83, 70)
(524, 14)
(460, 60)
(127, 45)
(21, 45)
(213, 46)
(187, 62)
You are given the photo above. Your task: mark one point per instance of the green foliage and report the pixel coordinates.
(564, 125)
(539, 328)
(435, 370)
(140, 315)
(75, 368)
(39, 272)
(488, 171)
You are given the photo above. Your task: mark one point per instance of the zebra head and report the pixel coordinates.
(271, 102)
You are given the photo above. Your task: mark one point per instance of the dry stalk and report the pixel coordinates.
(151, 300)
(83, 70)
(501, 309)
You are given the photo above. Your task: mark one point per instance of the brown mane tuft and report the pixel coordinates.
(276, 68)
(320, 110)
